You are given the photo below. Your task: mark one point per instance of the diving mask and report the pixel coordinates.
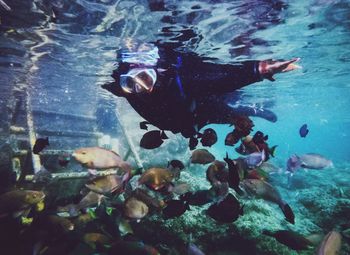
(138, 80)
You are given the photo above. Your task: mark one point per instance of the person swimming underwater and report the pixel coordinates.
(182, 92)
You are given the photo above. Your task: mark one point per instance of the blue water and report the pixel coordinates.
(55, 55)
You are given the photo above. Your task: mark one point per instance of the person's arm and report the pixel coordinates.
(202, 78)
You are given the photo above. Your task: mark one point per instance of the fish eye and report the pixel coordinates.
(83, 152)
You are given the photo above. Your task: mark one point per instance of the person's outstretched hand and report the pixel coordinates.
(268, 68)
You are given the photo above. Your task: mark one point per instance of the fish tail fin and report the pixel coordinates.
(226, 158)
(288, 212)
(241, 211)
(273, 150)
(163, 135)
(187, 204)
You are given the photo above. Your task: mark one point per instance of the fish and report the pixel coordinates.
(153, 139)
(198, 197)
(217, 172)
(156, 178)
(93, 239)
(63, 159)
(257, 174)
(175, 208)
(134, 208)
(255, 159)
(303, 131)
(193, 142)
(107, 184)
(257, 143)
(53, 224)
(192, 249)
(202, 156)
(226, 211)
(179, 188)
(269, 168)
(100, 158)
(175, 163)
(19, 202)
(176, 166)
(315, 161)
(83, 219)
(293, 164)
(132, 248)
(219, 191)
(330, 245)
(40, 144)
(259, 137)
(233, 175)
(247, 146)
(231, 138)
(91, 199)
(309, 161)
(264, 190)
(291, 239)
(150, 201)
(143, 125)
(208, 137)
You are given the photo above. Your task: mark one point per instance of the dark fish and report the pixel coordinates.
(259, 137)
(291, 239)
(199, 197)
(152, 139)
(40, 144)
(303, 131)
(209, 137)
(175, 208)
(233, 175)
(202, 156)
(242, 149)
(217, 172)
(231, 139)
(193, 143)
(143, 125)
(226, 211)
(63, 159)
(176, 164)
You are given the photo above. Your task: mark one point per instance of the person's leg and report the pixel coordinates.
(216, 110)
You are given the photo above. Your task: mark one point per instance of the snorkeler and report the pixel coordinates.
(182, 93)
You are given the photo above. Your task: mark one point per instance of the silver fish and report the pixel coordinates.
(315, 161)
(330, 245)
(255, 159)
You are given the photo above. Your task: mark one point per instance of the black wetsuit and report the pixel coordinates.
(188, 92)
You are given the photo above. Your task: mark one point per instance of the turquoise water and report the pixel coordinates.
(55, 55)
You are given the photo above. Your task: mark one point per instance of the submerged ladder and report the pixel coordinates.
(36, 162)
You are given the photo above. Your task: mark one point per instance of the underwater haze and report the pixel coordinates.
(56, 54)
